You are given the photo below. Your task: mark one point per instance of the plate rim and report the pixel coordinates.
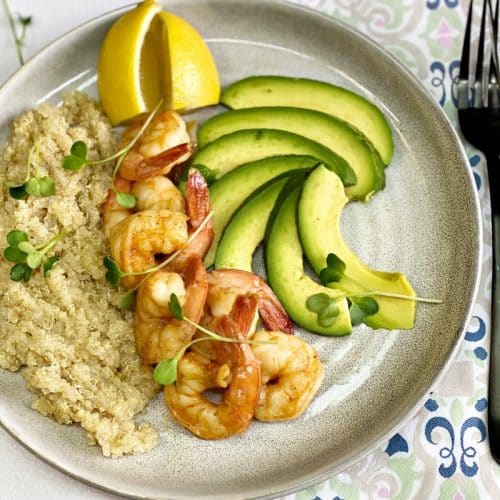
(451, 131)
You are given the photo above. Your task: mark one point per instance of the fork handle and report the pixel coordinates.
(494, 372)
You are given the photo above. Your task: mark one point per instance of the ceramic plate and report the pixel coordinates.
(425, 223)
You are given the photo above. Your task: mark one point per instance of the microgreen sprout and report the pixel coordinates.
(78, 159)
(28, 257)
(34, 184)
(114, 274)
(325, 307)
(165, 372)
(24, 22)
(362, 303)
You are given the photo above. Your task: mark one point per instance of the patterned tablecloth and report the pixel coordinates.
(442, 452)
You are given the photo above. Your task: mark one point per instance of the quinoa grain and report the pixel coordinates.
(75, 349)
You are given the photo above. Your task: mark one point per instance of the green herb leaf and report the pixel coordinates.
(329, 314)
(27, 247)
(325, 307)
(24, 20)
(77, 157)
(13, 254)
(326, 321)
(335, 262)
(334, 271)
(47, 186)
(71, 162)
(165, 372)
(125, 200)
(18, 192)
(368, 305)
(17, 271)
(32, 187)
(357, 315)
(316, 303)
(175, 307)
(128, 301)
(27, 274)
(15, 237)
(34, 260)
(79, 150)
(114, 273)
(49, 264)
(328, 275)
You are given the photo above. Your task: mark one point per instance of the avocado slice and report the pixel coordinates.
(325, 129)
(319, 213)
(231, 191)
(285, 273)
(247, 229)
(312, 94)
(243, 146)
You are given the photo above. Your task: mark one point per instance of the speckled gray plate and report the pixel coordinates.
(425, 223)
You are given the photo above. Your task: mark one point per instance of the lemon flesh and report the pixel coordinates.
(121, 83)
(191, 79)
(148, 55)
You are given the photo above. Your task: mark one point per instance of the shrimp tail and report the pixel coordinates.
(240, 320)
(154, 165)
(197, 208)
(197, 198)
(195, 279)
(243, 312)
(273, 313)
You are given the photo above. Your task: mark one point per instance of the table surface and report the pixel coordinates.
(442, 451)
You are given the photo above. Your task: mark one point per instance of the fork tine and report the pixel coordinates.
(494, 50)
(478, 84)
(493, 81)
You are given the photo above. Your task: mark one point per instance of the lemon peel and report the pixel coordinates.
(148, 55)
(120, 81)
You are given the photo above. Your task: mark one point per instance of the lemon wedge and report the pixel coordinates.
(194, 79)
(124, 89)
(148, 55)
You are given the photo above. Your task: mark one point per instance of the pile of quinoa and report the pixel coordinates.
(75, 349)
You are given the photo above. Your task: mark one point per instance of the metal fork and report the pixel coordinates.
(479, 118)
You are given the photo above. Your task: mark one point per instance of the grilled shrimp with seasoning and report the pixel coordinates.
(234, 369)
(164, 144)
(158, 335)
(291, 375)
(226, 284)
(138, 240)
(151, 193)
(158, 192)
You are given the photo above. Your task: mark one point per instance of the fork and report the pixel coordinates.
(479, 118)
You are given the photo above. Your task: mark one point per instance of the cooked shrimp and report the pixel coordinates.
(157, 334)
(226, 284)
(137, 240)
(291, 375)
(236, 370)
(158, 192)
(112, 212)
(164, 144)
